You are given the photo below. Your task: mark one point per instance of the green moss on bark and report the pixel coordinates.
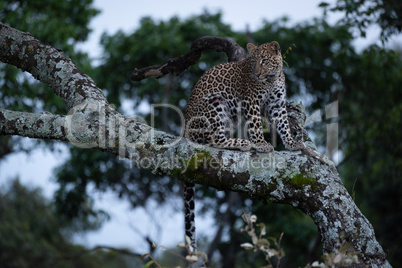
(300, 181)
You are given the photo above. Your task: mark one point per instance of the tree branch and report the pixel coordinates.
(178, 65)
(295, 178)
(48, 65)
(40, 126)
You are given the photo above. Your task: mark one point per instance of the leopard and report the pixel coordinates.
(251, 89)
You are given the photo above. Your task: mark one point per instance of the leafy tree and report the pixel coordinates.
(39, 236)
(325, 66)
(139, 186)
(362, 13)
(32, 234)
(305, 181)
(371, 122)
(61, 23)
(321, 66)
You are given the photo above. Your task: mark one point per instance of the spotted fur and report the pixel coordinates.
(228, 91)
(248, 88)
(189, 213)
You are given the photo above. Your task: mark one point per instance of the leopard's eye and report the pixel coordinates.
(264, 61)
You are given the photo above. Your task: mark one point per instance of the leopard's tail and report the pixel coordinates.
(189, 213)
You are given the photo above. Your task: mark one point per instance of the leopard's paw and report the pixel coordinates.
(263, 147)
(295, 146)
(245, 145)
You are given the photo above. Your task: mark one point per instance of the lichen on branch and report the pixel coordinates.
(304, 179)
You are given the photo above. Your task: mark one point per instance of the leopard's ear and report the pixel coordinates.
(251, 48)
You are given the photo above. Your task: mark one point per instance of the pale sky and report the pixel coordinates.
(125, 15)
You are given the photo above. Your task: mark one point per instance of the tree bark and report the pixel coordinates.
(178, 65)
(304, 179)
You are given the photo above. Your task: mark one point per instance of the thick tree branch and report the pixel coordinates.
(295, 178)
(40, 126)
(178, 65)
(48, 65)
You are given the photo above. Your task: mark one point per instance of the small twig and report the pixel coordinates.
(122, 251)
(278, 246)
(83, 252)
(152, 258)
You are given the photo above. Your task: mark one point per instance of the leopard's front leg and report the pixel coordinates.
(252, 112)
(278, 116)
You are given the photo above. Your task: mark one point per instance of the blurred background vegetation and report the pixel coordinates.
(324, 67)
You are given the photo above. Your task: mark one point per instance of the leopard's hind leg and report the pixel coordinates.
(222, 124)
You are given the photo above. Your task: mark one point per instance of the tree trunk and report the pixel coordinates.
(304, 179)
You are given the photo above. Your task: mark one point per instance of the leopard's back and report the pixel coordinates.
(222, 80)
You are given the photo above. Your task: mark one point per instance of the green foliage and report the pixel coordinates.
(32, 235)
(160, 40)
(315, 63)
(324, 56)
(324, 68)
(372, 168)
(52, 21)
(362, 13)
(300, 238)
(60, 23)
(105, 172)
(261, 243)
(341, 257)
(287, 52)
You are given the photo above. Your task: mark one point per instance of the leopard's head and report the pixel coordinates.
(267, 60)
